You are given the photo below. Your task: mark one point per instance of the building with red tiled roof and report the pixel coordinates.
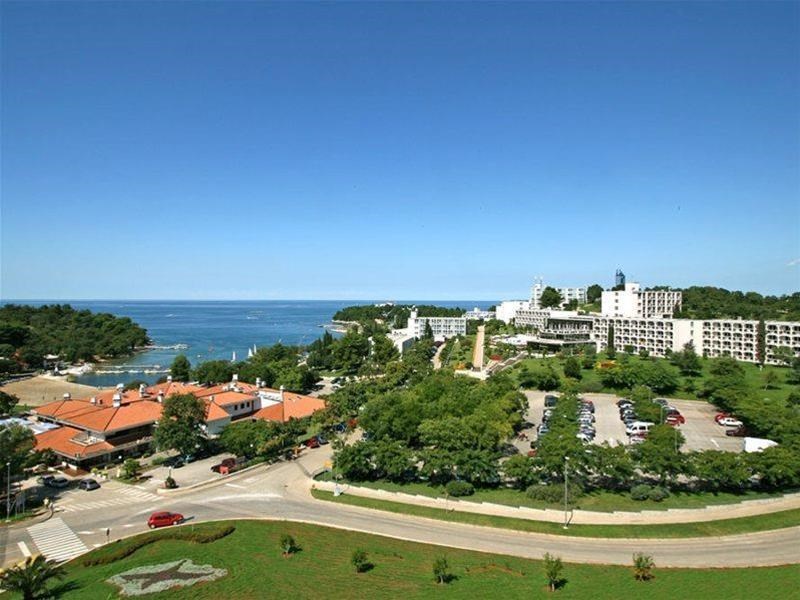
(118, 422)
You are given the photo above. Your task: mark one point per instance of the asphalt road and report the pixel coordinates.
(282, 492)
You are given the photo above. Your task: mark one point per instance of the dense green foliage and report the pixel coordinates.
(181, 424)
(440, 429)
(29, 333)
(16, 444)
(395, 316)
(31, 577)
(258, 438)
(717, 303)
(354, 353)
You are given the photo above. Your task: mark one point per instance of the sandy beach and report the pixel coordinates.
(42, 389)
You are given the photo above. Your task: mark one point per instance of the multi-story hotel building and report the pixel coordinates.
(442, 327)
(568, 294)
(635, 302)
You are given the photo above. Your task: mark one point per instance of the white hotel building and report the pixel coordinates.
(442, 327)
(641, 320)
(568, 294)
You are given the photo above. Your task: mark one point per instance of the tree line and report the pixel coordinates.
(393, 316)
(29, 333)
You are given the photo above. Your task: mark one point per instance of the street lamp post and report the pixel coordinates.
(8, 491)
(566, 492)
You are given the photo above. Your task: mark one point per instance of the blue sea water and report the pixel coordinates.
(208, 330)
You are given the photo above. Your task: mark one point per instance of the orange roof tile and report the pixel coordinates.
(294, 406)
(61, 440)
(214, 412)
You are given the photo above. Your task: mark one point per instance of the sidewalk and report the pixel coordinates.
(747, 508)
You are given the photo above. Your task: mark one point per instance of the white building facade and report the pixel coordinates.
(568, 294)
(442, 327)
(506, 311)
(634, 302)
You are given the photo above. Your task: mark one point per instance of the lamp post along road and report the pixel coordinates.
(566, 492)
(8, 491)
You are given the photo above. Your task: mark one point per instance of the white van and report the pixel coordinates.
(638, 427)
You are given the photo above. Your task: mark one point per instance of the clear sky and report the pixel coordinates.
(443, 151)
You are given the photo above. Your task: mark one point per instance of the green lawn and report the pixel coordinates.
(778, 520)
(602, 501)
(322, 569)
(590, 380)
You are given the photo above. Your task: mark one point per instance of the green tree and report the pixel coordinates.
(643, 566)
(551, 298)
(717, 470)
(360, 560)
(7, 403)
(214, 371)
(572, 368)
(131, 469)
(287, 544)
(783, 354)
(30, 578)
(181, 368)
(660, 455)
(761, 342)
(441, 570)
(594, 293)
(611, 350)
(428, 332)
(520, 469)
(770, 379)
(350, 352)
(16, 444)
(687, 361)
(246, 438)
(553, 568)
(181, 424)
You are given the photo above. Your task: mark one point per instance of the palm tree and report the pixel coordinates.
(30, 577)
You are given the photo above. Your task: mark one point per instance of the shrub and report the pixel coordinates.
(200, 534)
(657, 494)
(553, 493)
(643, 566)
(360, 560)
(641, 491)
(552, 570)
(131, 468)
(288, 545)
(170, 483)
(441, 570)
(591, 386)
(460, 488)
(158, 461)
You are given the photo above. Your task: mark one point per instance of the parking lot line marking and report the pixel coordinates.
(85, 532)
(713, 441)
(128, 525)
(23, 547)
(233, 485)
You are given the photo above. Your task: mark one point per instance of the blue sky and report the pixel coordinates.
(343, 150)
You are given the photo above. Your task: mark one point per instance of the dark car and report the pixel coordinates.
(322, 439)
(736, 432)
(45, 479)
(312, 443)
(228, 463)
(164, 519)
(88, 485)
(550, 401)
(176, 462)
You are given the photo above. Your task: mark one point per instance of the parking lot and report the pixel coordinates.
(700, 430)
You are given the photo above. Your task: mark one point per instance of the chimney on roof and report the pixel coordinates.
(117, 400)
(169, 378)
(258, 382)
(93, 400)
(141, 390)
(160, 396)
(212, 398)
(67, 396)
(282, 393)
(235, 378)
(120, 386)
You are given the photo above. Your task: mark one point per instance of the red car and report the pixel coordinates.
(722, 415)
(675, 419)
(312, 443)
(164, 519)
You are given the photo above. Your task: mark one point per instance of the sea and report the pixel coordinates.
(210, 330)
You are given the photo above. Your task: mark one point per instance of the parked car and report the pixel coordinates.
(88, 485)
(661, 401)
(176, 462)
(637, 439)
(675, 419)
(228, 464)
(638, 427)
(730, 422)
(737, 432)
(57, 482)
(721, 415)
(312, 442)
(45, 479)
(322, 439)
(550, 400)
(622, 401)
(164, 519)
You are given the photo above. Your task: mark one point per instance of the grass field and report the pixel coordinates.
(322, 569)
(767, 522)
(601, 501)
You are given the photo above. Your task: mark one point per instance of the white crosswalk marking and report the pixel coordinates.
(55, 540)
(124, 495)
